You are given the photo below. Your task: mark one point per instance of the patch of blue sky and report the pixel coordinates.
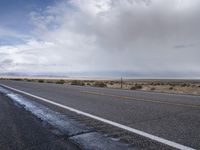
(15, 14)
(7, 40)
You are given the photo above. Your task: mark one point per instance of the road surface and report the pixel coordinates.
(20, 130)
(170, 116)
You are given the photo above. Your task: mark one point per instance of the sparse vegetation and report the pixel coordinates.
(49, 81)
(136, 87)
(88, 84)
(184, 85)
(193, 85)
(17, 79)
(78, 82)
(100, 84)
(159, 85)
(41, 81)
(60, 82)
(29, 80)
(111, 83)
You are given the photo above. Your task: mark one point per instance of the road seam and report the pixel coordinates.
(141, 133)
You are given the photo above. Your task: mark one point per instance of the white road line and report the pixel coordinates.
(147, 135)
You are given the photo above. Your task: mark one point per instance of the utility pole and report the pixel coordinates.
(121, 83)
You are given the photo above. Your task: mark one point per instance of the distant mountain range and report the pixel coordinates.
(114, 74)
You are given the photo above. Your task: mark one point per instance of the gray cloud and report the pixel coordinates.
(144, 29)
(5, 63)
(116, 35)
(2, 54)
(180, 46)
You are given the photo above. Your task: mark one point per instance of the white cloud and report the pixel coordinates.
(126, 35)
(6, 32)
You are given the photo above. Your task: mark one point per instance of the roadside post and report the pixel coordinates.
(121, 83)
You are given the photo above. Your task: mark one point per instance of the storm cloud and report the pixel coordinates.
(145, 36)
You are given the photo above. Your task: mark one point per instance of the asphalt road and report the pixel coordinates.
(173, 117)
(20, 130)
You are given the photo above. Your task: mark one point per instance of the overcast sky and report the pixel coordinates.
(147, 37)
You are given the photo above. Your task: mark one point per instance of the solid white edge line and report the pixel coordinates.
(144, 134)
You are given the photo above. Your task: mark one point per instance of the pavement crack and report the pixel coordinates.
(73, 135)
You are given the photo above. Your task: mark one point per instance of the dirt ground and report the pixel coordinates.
(169, 86)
